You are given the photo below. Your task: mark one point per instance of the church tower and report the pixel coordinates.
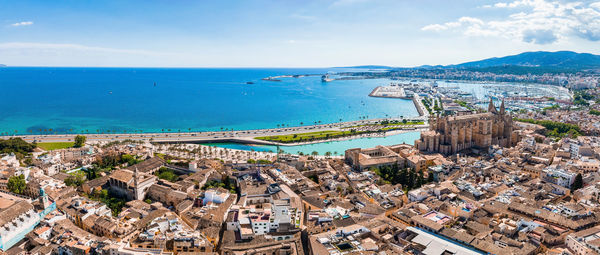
(44, 199)
(491, 107)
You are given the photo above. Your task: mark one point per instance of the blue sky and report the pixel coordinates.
(292, 33)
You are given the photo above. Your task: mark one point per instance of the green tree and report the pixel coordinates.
(167, 174)
(578, 183)
(315, 153)
(91, 173)
(16, 145)
(75, 181)
(16, 184)
(129, 159)
(264, 161)
(420, 179)
(79, 141)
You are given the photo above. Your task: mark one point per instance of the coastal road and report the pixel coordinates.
(241, 136)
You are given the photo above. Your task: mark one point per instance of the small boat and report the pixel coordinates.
(110, 92)
(155, 84)
(249, 82)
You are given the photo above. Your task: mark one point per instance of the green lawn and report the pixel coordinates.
(55, 146)
(405, 124)
(303, 137)
(392, 124)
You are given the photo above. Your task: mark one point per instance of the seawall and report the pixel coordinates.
(419, 105)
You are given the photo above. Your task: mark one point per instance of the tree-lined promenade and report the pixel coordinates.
(239, 136)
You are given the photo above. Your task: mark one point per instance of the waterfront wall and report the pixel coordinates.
(417, 101)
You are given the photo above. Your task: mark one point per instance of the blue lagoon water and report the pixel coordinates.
(335, 146)
(80, 100)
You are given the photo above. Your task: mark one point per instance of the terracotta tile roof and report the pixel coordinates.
(122, 175)
(41, 230)
(147, 165)
(14, 211)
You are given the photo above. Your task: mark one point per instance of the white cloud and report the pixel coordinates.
(22, 23)
(538, 22)
(455, 24)
(434, 27)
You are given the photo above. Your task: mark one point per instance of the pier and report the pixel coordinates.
(389, 92)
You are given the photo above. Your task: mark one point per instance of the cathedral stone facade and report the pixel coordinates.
(451, 134)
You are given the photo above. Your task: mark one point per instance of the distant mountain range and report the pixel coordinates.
(1, 65)
(559, 60)
(563, 59)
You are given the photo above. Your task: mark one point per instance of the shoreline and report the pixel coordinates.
(239, 136)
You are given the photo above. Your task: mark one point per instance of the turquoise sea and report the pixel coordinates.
(89, 100)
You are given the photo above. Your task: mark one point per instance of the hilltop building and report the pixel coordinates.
(451, 134)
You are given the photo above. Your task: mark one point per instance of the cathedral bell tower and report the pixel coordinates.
(491, 107)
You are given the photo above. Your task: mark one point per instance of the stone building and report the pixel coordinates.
(361, 159)
(451, 134)
(132, 185)
(15, 221)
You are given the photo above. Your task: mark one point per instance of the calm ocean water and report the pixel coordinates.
(70, 100)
